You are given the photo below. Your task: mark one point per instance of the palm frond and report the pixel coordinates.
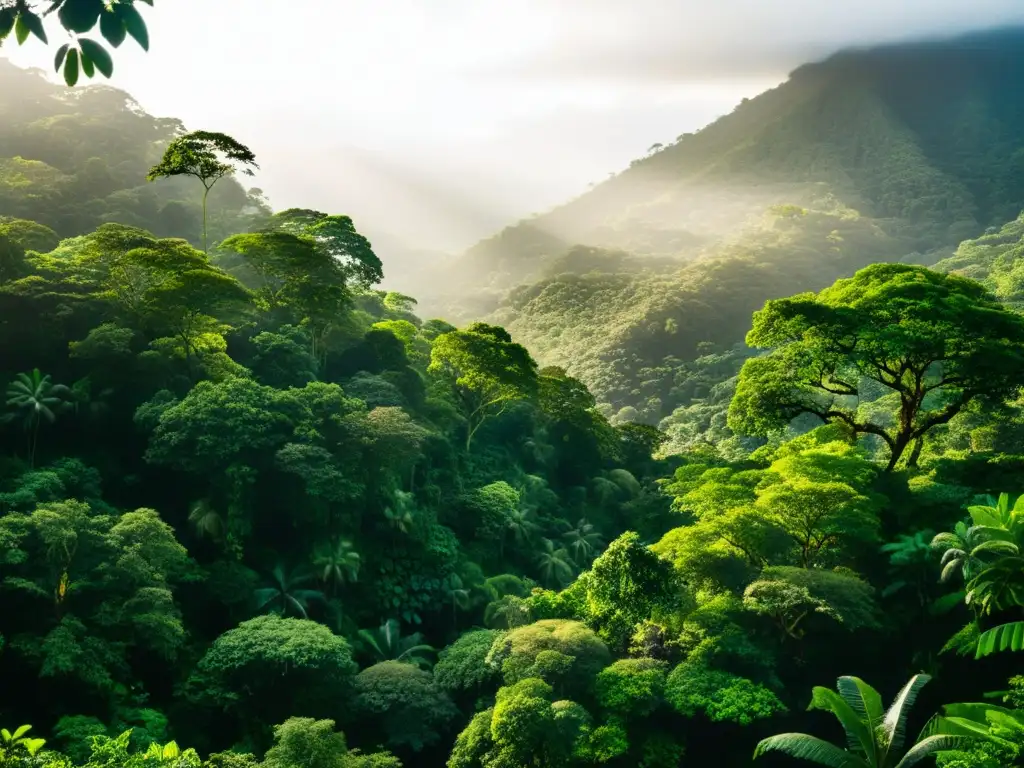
(895, 723)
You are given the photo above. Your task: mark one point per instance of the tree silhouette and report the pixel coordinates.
(583, 539)
(554, 564)
(456, 591)
(521, 524)
(207, 521)
(337, 563)
(36, 399)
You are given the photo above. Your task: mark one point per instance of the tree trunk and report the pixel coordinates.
(33, 441)
(898, 447)
(206, 192)
(915, 453)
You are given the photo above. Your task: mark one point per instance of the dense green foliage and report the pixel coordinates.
(255, 512)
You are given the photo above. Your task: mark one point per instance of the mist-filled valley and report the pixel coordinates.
(720, 461)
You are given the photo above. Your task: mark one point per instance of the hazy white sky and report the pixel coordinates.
(441, 120)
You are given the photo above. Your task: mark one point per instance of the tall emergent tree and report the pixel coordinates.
(486, 370)
(117, 20)
(208, 157)
(930, 342)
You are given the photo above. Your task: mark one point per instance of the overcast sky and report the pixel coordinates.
(438, 121)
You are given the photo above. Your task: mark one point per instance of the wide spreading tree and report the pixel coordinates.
(930, 343)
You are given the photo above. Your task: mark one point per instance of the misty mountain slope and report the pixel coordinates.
(918, 132)
(928, 135)
(626, 333)
(73, 159)
(894, 153)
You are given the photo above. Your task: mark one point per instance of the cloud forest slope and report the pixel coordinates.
(916, 134)
(73, 159)
(894, 153)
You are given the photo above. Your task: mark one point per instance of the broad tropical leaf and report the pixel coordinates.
(864, 699)
(932, 746)
(1005, 637)
(804, 747)
(858, 734)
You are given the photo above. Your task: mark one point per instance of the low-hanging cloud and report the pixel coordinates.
(658, 41)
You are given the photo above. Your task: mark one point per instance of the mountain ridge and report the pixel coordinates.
(890, 153)
(756, 147)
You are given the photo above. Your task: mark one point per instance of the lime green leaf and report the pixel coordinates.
(29, 22)
(58, 60)
(21, 29)
(98, 55)
(134, 24)
(71, 68)
(112, 27)
(7, 17)
(88, 68)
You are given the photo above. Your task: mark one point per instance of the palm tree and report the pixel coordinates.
(582, 539)
(911, 564)
(337, 563)
(387, 644)
(554, 564)
(207, 521)
(456, 590)
(521, 524)
(400, 514)
(283, 595)
(875, 737)
(36, 399)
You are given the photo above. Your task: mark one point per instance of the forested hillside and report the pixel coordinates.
(893, 154)
(257, 513)
(74, 159)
